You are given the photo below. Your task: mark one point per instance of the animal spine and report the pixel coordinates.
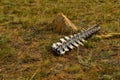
(69, 42)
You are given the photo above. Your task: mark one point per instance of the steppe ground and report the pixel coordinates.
(26, 37)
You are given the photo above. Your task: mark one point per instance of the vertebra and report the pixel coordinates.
(69, 42)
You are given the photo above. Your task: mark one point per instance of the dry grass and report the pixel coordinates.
(26, 37)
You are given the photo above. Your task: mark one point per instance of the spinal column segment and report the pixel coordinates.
(69, 42)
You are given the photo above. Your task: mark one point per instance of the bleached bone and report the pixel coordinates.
(69, 42)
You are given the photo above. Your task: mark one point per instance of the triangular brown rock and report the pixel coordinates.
(62, 24)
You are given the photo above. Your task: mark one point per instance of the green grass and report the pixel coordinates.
(26, 37)
(6, 52)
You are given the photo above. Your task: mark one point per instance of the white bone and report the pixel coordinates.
(62, 40)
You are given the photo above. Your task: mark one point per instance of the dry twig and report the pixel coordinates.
(110, 35)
